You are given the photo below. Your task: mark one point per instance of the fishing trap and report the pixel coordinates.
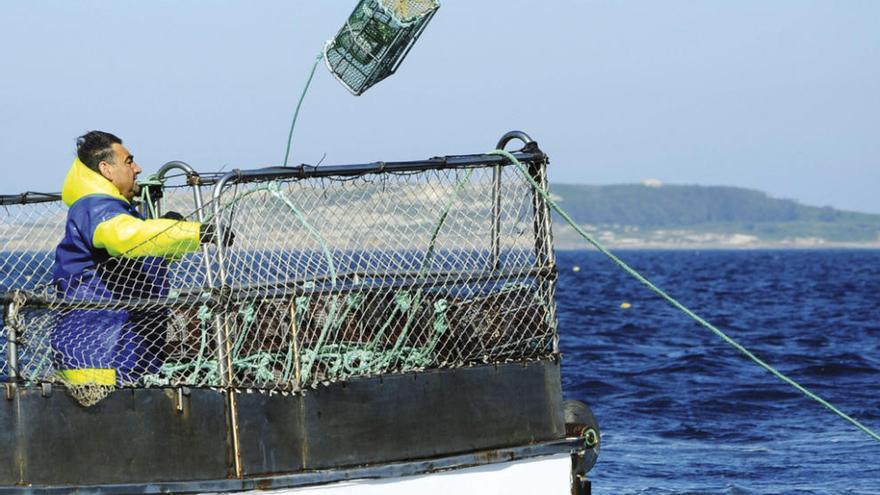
(375, 39)
(336, 272)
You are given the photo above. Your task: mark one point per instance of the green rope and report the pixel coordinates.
(205, 316)
(544, 194)
(300, 306)
(368, 358)
(440, 326)
(401, 304)
(328, 322)
(429, 253)
(248, 315)
(394, 354)
(274, 188)
(299, 104)
(327, 352)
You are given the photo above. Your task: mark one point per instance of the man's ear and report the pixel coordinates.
(104, 168)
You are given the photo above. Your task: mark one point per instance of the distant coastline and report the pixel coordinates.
(577, 244)
(566, 238)
(652, 215)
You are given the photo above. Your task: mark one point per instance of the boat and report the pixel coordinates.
(383, 327)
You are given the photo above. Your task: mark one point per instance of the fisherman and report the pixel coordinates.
(109, 255)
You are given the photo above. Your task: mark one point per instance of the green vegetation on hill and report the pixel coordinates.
(713, 209)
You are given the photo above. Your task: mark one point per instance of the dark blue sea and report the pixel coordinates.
(682, 412)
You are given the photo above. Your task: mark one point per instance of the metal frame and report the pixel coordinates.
(29, 197)
(496, 193)
(544, 254)
(221, 326)
(305, 171)
(406, 280)
(10, 320)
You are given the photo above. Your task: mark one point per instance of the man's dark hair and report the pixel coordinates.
(94, 147)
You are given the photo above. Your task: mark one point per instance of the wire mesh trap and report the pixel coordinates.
(335, 273)
(375, 39)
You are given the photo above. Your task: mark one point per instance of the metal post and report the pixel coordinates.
(222, 335)
(222, 338)
(544, 255)
(193, 180)
(221, 329)
(496, 217)
(496, 196)
(12, 320)
(297, 372)
(219, 333)
(11, 341)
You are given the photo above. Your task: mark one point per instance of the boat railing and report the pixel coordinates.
(334, 272)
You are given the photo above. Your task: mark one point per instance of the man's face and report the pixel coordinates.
(122, 171)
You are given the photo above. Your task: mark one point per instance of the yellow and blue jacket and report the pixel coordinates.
(110, 253)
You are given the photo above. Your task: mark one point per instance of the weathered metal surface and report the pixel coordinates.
(399, 417)
(130, 436)
(140, 437)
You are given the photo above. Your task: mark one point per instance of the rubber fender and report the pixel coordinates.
(580, 422)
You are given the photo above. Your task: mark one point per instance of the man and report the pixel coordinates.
(111, 255)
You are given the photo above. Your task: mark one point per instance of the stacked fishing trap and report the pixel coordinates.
(334, 273)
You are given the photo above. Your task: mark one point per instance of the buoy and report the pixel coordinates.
(625, 305)
(576, 268)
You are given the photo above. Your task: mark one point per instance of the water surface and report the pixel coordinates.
(682, 412)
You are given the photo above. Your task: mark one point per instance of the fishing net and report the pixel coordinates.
(375, 39)
(30, 227)
(329, 277)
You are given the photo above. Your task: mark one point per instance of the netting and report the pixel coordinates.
(375, 39)
(28, 235)
(327, 278)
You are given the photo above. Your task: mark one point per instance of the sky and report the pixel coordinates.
(781, 96)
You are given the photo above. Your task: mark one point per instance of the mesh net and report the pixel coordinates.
(28, 234)
(375, 39)
(326, 279)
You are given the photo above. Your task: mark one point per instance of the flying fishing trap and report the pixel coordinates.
(375, 39)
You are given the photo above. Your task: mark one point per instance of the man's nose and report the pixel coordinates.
(137, 168)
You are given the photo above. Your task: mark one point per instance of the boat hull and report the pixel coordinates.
(149, 436)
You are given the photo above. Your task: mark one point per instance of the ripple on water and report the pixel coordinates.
(681, 412)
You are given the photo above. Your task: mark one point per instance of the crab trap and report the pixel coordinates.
(375, 39)
(335, 273)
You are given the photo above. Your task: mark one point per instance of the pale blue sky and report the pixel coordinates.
(782, 96)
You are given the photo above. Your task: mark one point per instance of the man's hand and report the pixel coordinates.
(153, 190)
(172, 215)
(208, 235)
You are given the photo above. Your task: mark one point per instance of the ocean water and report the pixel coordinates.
(682, 412)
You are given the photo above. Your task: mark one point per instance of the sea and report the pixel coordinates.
(682, 412)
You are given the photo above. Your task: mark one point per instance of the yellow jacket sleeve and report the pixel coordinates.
(130, 237)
